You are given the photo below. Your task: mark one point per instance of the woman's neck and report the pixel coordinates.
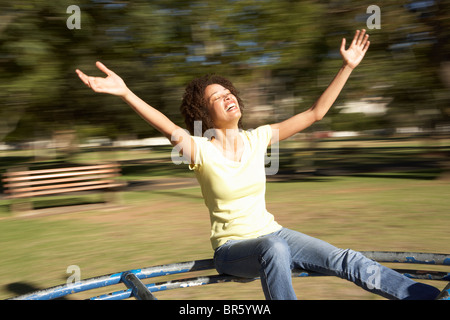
(229, 142)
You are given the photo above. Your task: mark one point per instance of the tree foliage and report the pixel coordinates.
(276, 51)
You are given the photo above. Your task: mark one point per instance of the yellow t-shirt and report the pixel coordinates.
(234, 192)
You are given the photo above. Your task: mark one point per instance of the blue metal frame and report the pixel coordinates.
(445, 294)
(137, 289)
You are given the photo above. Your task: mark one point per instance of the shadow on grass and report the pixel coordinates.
(21, 288)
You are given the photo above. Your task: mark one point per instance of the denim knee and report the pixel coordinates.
(275, 250)
(345, 261)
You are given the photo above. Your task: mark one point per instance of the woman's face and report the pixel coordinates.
(223, 106)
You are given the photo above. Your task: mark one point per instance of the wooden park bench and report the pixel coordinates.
(29, 184)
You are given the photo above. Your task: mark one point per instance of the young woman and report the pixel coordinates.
(229, 165)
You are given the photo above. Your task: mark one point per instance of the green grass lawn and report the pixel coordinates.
(152, 227)
(381, 195)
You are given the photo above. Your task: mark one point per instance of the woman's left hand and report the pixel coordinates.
(358, 48)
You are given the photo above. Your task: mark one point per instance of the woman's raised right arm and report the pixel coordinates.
(113, 84)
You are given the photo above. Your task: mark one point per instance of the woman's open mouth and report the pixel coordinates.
(231, 107)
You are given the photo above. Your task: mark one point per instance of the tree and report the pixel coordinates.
(275, 51)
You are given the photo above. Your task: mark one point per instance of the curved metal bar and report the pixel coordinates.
(408, 257)
(208, 264)
(413, 274)
(64, 290)
(175, 284)
(206, 280)
(445, 294)
(138, 289)
(112, 279)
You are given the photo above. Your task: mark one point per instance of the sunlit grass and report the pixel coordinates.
(172, 225)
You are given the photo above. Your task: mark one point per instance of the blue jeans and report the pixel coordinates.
(273, 256)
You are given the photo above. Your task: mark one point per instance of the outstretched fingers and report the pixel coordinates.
(83, 77)
(361, 38)
(95, 83)
(343, 45)
(366, 43)
(359, 35)
(357, 49)
(103, 68)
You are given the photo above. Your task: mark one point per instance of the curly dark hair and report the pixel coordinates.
(194, 105)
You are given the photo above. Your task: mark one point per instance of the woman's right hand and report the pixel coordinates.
(112, 84)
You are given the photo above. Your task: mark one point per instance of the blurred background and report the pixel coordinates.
(391, 120)
(281, 54)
